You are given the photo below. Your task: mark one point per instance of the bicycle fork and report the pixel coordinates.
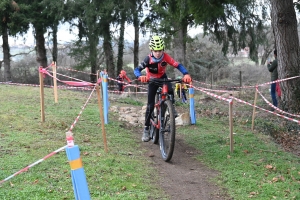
(152, 121)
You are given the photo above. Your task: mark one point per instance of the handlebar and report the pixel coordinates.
(164, 80)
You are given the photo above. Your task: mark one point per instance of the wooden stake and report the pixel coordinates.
(231, 125)
(254, 109)
(42, 96)
(54, 82)
(180, 94)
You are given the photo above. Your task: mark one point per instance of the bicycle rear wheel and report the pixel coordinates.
(167, 131)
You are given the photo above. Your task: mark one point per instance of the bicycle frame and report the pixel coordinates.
(163, 95)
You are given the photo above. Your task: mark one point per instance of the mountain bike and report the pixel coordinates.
(162, 126)
(182, 96)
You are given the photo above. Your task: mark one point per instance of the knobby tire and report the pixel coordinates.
(167, 131)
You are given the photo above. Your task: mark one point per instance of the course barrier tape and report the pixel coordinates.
(33, 164)
(220, 86)
(212, 94)
(274, 107)
(70, 69)
(113, 91)
(278, 81)
(47, 86)
(73, 83)
(83, 107)
(21, 84)
(221, 91)
(282, 116)
(244, 87)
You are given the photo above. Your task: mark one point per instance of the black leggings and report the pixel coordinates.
(120, 87)
(152, 88)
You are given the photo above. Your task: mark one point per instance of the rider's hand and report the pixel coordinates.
(143, 79)
(187, 78)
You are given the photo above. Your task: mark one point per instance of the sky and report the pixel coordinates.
(64, 35)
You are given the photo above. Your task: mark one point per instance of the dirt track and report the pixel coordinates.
(183, 178)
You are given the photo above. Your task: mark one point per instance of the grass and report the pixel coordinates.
(122, 173)
(257, 169)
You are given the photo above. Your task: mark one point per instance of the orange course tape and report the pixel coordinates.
(76, 164)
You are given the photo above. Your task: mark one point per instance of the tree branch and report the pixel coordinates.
(24, 53)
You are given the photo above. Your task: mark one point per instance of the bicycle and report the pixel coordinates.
(182, 97)
(162, 121)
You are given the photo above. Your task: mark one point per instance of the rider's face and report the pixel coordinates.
(157, 54)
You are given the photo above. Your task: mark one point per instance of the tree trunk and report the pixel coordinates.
(41, 56)
(54, 40)
(108, 51)
(284, 23)
(6, 54)
(265, 56)
(121, 42)
(180, 45)
(136, 44)
(93, 42)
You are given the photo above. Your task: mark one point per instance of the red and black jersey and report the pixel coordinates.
(157, 69)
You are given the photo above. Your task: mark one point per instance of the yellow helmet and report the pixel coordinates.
(156, 43)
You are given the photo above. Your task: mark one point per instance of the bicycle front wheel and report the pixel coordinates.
(154, 132)
(167, 130)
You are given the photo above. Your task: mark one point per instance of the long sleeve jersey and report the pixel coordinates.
(156, 68)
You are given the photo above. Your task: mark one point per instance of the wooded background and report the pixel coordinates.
(229, 26)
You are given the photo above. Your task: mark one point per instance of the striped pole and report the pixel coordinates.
(79, 182)
(192, 107)
(105, 96)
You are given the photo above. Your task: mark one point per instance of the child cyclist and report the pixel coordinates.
(156, 63)
(122, 76)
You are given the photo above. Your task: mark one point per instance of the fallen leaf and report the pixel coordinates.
(275, 179)
(269, 166)
(11, 184)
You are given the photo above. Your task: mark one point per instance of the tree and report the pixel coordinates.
(204, 57)
(86, 16)
(130, 12)
(42, 16)
(234, 23)
(55, 11)
(12, 23)
(171, 18)
(284, 23)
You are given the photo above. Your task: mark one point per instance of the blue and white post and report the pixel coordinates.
(79, 182)
(104, 78)
(192, 106)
